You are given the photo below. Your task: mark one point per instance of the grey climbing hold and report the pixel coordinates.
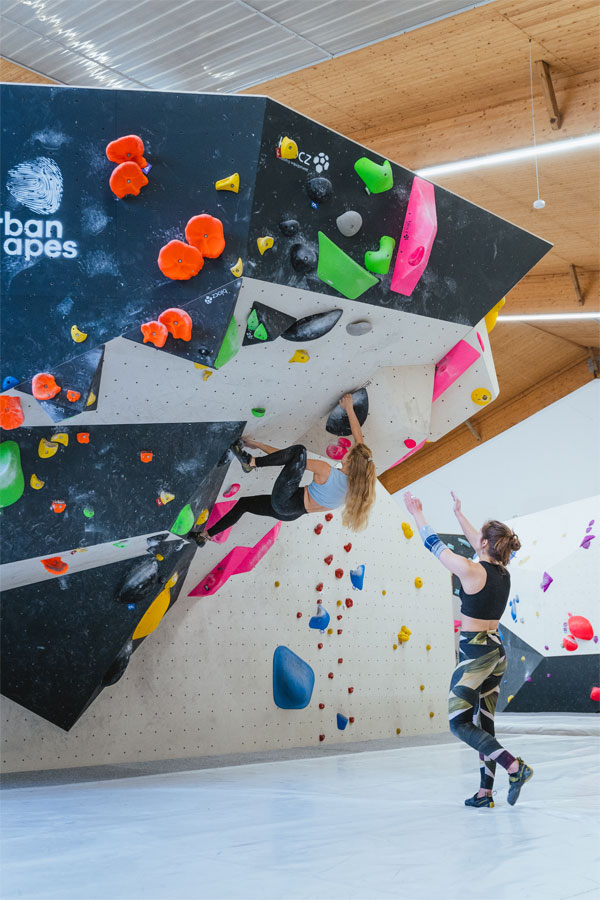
(358, 328)
(312, 327)
(349, 223)
(117, 668)
(303, 258)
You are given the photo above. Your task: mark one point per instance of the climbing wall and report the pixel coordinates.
(178, 269)
(555, 576)
(202, 684)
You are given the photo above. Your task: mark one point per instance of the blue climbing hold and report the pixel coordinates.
(357, 577)
(293, 680)
(342, 721)
(321, 620)
(9, 382)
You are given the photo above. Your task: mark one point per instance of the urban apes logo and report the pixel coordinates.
(38, 185)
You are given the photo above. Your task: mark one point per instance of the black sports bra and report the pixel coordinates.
(490, 602)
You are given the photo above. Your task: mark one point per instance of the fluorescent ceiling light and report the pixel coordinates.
(551, 317)
(588, 140)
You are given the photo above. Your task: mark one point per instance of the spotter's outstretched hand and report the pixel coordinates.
(413, 504)
(456, 506)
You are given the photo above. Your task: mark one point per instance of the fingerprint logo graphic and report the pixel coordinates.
(37, 184)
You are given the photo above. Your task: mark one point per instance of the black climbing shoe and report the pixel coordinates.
(242, 455)
(486, 800)
(517, 780)
(198, 537)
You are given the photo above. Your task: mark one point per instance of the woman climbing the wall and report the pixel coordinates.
(475, 682)
(353, 485)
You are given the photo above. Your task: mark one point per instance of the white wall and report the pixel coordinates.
(547, 460)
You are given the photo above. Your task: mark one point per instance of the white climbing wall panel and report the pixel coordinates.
(202, 683)
(550, 542)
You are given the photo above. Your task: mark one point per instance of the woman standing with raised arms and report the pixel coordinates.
(475, 682)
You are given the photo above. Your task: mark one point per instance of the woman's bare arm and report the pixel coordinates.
(469, 531)
(348, 404)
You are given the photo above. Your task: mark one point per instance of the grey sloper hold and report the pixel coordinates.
(359, 327)
(312, 327)
(117, 668)
(338, 422)
(349, 223)
(138, 581)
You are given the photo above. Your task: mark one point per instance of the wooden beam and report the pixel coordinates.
(491, 421)
(543, 70)
(576, 285)
(473, 430)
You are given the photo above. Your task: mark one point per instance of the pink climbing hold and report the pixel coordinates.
(546, 581)
(406, 455)
(410, 443)
(418, 234)
(595, 695)
(344, 442)
(481, 344)
(232, 490)
(457, 625)
(334, 451)
(237, 561)
(452, 366)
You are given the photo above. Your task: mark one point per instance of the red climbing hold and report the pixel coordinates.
(569, 642)
(11, 414)
(83, 437)
(581, 628)
(127, 149)
(320, 646)
(43, 386)
(319, 601)
(340, 660)
(328, 559)
(177, 322)
(410, 443)
(339, 573)
(146, 456)
(350, 690)
(351, 719)
(298, 615)
(329, 517)
(59, 506)
(319, 587)
(330, 675)
(595, 694)
(179, 261)
(321, 706)
(347, 547)
(127, 178)
(338, 618)
(155, 333)
(339, 630)
(73, 396)
(55, 564)
(348, 602)
(206, 233)
(319, 528)
(321, 737)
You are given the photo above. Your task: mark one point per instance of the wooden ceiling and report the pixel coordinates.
(459, 88)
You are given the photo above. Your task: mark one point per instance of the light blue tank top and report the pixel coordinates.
(331, 494)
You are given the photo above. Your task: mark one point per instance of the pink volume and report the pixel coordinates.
(238, 560)
(418, 234)
(452, 366)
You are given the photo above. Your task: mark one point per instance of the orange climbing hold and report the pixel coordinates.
(11, 414)
(179, 261)
(55, 564)
(206, 233)
(83, 437)
(44, 387)
(177, 322)
(155, 333)
(127, 149)
(73, 396)
(59, 506)
(126, 179)
(146, 456)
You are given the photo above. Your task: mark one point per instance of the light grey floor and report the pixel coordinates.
(379, 823)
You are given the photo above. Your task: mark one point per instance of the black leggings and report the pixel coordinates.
(285, 503)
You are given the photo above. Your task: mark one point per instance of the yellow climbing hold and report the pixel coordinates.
(277, 583)
(398, 730)
(300, 356)
(91, 399)
(418, 582)
(61, 437)
(491, 318)
(330, 631)
(202, 517)
(395, 646)
(231, 183)
(431, 715)
(288, 148)
(421, 687)
(159, 557)
(77, 335)
(47, 448)
(510, 697)
(36, 483)
(339, 603)
(407, 530)
(264, 243)
(522, 659)
(384, 593)
(238, 269)
(165, 497)
(206, 371)
(481, 396)
(428, 646)
(156, 610)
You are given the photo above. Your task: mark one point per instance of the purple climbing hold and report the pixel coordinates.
(546, 581)
(587, 541)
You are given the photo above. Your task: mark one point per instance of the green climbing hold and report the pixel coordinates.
(88, 512)
(252, 321)
(12, 483)
(378, 178)
(380, 260)
(258, 411)
(184, 521)
(340, 271)
(229, 347)
(260, 333)
(120, 544)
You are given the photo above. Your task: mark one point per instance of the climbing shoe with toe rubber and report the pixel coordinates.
(242, 456)
(486, 800)
(517, 780)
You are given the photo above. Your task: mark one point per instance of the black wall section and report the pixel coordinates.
(107, 476)
(476, 257)
(59, 637)
(113, 282)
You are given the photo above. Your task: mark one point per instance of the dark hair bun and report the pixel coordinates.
(515, 543)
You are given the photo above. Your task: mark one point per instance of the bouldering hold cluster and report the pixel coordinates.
(180, 261)
(173, 321)
(129, 176)
(78, 336)
(11, 413)
(231, 183)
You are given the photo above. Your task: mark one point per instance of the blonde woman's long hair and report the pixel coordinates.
(360, 495)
